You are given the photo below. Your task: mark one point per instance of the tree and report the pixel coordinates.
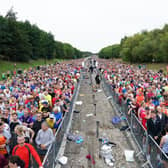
(69, 51)
(21, 41)
(141, 47)
(110, 52)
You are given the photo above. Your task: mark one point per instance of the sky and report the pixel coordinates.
(90, 25)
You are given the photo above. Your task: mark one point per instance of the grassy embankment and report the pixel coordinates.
(152, 66)
(156, 66)
(9, 66)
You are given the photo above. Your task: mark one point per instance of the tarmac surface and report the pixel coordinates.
(85, 126)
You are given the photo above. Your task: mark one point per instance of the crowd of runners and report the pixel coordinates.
(146, 94)
(33, 103)
(32, 106)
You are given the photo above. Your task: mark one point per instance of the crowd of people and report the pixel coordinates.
(146, 94)
(32, 106)
(34, 102)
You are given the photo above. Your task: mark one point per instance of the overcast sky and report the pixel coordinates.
(90, 24)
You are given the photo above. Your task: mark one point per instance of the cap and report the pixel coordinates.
(51, 116)
(44, 102)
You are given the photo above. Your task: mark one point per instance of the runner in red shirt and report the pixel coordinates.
(144, 115)
(24, 151)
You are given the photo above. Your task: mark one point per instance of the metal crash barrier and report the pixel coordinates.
(51, 155)
(148, 148)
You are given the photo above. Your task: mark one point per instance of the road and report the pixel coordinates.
(86, 127)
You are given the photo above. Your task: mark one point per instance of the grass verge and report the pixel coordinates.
(10, 66)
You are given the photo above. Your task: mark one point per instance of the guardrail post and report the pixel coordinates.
(94, 108)
(97, 128)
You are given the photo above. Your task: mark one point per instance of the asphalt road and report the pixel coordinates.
(86, 127)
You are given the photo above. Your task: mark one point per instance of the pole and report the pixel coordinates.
(97, 128)
(95, 109)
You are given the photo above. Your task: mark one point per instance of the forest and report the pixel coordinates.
(143, 47)
(23, 41)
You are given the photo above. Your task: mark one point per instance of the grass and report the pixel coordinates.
(150, 66)
(9, 66)
(157, 66)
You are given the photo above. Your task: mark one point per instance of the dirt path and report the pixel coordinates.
(86, 127)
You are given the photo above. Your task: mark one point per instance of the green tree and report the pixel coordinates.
(21, 41)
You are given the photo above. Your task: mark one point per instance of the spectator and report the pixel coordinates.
(24, 151)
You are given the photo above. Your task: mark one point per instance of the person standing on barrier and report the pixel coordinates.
(164, 146)
(154, 129)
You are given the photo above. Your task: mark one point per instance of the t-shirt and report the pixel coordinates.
(49, 98)
(37, 127)
(140, 99)
(51, 123)
(13, 125)
(144, 120)
(3, 150)
(45, 109)
(20, 113)
(57, 117)
(23, 153)
(27, 119)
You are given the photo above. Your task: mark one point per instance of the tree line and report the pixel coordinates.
(23, 41)
(147, 46)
